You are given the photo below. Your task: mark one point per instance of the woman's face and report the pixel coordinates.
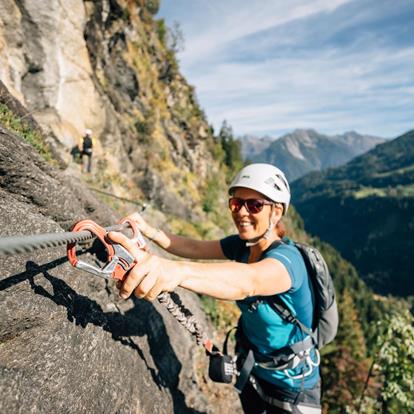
(250, 225)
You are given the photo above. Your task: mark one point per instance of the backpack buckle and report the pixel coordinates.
(254, 305)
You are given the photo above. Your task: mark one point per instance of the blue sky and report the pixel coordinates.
(271, 66)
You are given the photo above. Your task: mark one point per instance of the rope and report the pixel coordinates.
(25, 244)
(174, 305)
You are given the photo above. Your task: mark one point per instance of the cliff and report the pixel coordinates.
(68, 343)
(106, 66)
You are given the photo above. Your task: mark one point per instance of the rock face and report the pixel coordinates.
(67, 342)
(104, 65)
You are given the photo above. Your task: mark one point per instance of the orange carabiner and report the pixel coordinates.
(119, 260)
(137, 236)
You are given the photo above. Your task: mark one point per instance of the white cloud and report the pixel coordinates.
(232, 20)
(325, 94)
(310, 69)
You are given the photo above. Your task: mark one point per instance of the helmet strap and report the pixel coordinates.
(266, 235)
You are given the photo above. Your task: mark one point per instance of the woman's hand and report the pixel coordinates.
(154, 234)
(142, 225)
(150, 276)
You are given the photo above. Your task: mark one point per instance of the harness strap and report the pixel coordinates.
(285, 355)
(280, 307)
(278, 357)
(245, 372)
(294, 408)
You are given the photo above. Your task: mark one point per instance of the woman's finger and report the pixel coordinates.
(133, 279)
(154, 292)
(147, 283)
(139, 254)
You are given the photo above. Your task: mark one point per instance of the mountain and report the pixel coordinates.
(67, 343)
(365, 209)
(68, 336)
(252, 145)
(306, 150)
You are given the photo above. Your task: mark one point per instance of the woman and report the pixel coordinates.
(262, 265)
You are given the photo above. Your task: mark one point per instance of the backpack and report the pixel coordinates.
(87, 144)
(325, 322)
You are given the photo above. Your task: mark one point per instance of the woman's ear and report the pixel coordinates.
(274, 217)
(277, 214)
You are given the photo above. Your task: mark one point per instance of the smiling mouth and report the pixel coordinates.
(245, 224)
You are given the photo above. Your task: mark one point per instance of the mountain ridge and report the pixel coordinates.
(305, 150)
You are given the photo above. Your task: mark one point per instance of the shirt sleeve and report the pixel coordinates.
(290, 257)
(232, 247)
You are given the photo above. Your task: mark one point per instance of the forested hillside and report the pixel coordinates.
(366, 210)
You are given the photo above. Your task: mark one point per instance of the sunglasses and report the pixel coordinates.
(253, 205)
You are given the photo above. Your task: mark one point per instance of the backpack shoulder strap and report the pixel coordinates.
(280, 307)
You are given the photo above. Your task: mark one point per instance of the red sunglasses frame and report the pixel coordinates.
(245, 202)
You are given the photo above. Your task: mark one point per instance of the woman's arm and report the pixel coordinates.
(178, 245)
(233, 281)
(229, 281)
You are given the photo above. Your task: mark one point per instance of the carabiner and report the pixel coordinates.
(119, 261)
(137, 237)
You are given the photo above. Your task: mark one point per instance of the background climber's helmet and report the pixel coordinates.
(266, 179)
(88, 132)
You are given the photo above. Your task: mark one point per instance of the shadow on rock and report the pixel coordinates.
(141, 320)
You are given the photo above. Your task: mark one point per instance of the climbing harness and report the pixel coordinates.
(304, 353)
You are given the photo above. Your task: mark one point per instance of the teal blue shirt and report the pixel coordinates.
(263, 327)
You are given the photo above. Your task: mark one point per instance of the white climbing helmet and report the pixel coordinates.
(266, 179)
(88, 132)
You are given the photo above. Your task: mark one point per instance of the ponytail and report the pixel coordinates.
(280, 229)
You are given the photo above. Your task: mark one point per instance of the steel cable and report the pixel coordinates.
(25, 244)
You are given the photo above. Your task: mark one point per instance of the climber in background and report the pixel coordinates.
(76, 154)
(87, 150)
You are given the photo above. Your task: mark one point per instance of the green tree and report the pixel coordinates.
(232, 151)
(393, 364)
(344, 363)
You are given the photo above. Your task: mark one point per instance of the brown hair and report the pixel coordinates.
(280, 229)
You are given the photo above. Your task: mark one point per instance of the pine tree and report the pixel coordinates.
(345, 366)
(231, 147)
